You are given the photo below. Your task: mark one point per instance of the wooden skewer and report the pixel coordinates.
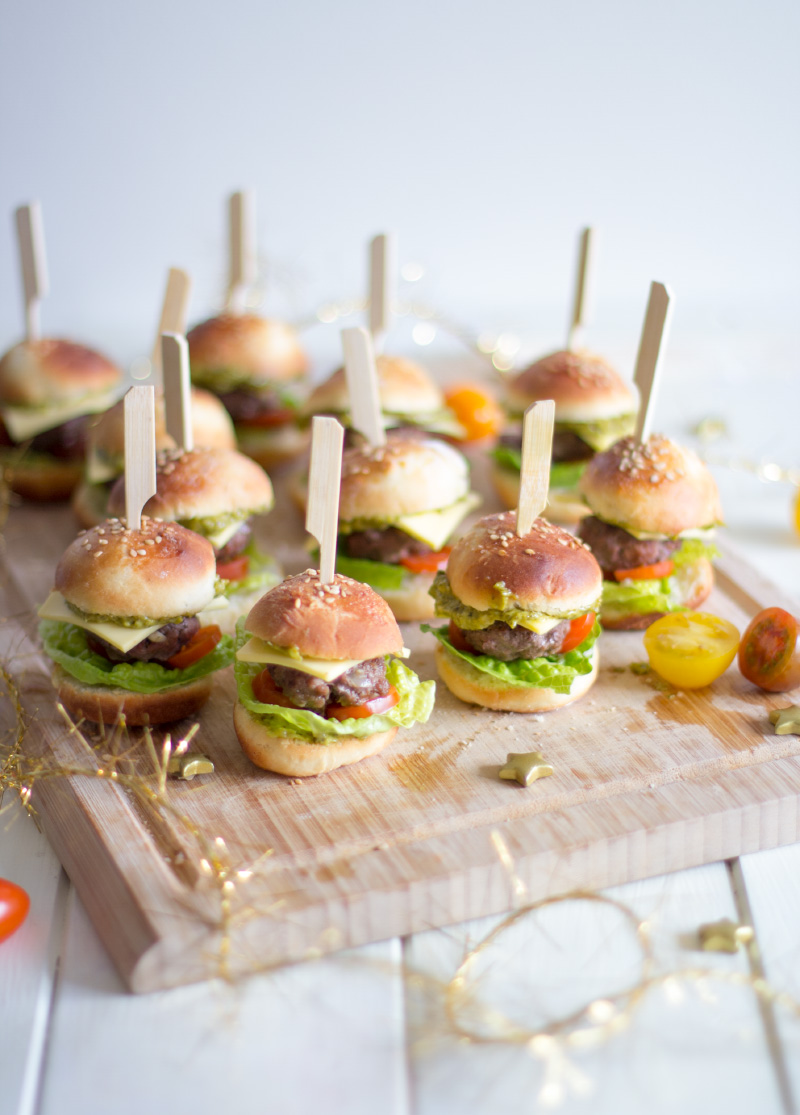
(583, 276)
(242, 210)
(33, 262)
(173, 310)
(140, 452)
(177, 389)
(537, 445)
(648, 362)
(324, 478)
(381, 287)
(362, 385)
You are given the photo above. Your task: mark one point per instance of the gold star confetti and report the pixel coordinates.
(526, 768)
(724, 936)
(786, 720)
(187, 766)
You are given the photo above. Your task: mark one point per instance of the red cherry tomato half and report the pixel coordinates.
(456, 637)
(371, 708)
(579, 628)
(426, 563)
(266, 691)
(646, 572)
(198, 647)
(269, 418)
(769, 654)
(14, 906)
(234, 569)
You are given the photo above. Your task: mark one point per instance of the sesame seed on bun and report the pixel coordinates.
(583, 386)
(255, 348)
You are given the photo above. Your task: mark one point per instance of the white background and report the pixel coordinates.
(484, 134)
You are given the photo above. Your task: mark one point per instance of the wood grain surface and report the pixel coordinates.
(647, 780)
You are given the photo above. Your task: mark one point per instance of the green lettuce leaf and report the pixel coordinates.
(641, 597)
(692, 549)
(563, 474)
(550, 671)
(507, 457)
(377, 574)
(415, 704)
(66, 645)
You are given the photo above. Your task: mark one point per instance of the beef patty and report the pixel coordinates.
(67, 442)
(614, 548)
(356, 686)
(235, 544)
(390, 545)
(567, 446)
(245, 406)
(508, 643)
(158, 647)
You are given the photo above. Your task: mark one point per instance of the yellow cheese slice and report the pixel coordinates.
(256, 650)
(26, 422)
(539, 624)
(219, 539)
(435, 527)
(705, 534)
(123, 638)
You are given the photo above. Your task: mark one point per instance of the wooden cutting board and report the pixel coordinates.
(647, 780)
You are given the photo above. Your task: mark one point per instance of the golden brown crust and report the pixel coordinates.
(197, 483)
(296, 758)
(44, 480)
(344, 619)
(583, 386)
(476, 687)
(161, 570)
(39, 373)
(546, 570)
(404, 387)
(407, 475)
(659, 487)
(103, 704)
(695, 581)
(256, 347)
(274, 447)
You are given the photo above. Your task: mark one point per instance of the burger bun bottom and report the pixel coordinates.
(44, 478)
(564, 505)
(478, 688)
(104, 704)
(295, 757)
(694, 584)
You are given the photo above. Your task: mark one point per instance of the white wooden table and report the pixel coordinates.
(350, 1033)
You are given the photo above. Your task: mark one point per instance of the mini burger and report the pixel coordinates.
(215, 492)
(408, 396)
(122, 624)
(594, 408)
(47, 389)
(399, 504)
(653, 509)
(105, 453)
(257, 369)
(522, 613)
(319, 679)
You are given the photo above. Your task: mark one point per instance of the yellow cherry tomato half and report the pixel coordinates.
(691, 649)
(476, 409)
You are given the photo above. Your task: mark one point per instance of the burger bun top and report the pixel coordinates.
(254, 347)
(44, 372)
(583, 386)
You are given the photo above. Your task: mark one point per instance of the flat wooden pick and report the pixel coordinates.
(173, 310)
(242, 227)
(324, 478)
(140, 452)
(381, 283)
(648, 362)
(177, 389)
(33, 263)
(583, 276)
(537, 444)
(362, 385)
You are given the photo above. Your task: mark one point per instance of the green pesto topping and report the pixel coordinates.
(211, 524)
(223, 380)
(447, 604)
(124, 621)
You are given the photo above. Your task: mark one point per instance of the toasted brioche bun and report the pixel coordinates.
(199, 483)
(342, 620)
(694, 582)
(583, 386)
(41, 373)
(403, 388)
(90, 503)
(43, 478)
(407, 475)
(659, 487)
(297, 758)
(212, 427)
(479, 688)
(104, 704)
(161, 570)
(263, 351)
(272, 446)
(546, 570)
(564, 505)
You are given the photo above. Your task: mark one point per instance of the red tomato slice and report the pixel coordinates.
(456, 637)
(234, 569)
(14, 906)
(426, 563)
(266, 691)
(371, 708)
(646, 572)
(198, 647)
(769, 653)
(269, 418)
(579, 628)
